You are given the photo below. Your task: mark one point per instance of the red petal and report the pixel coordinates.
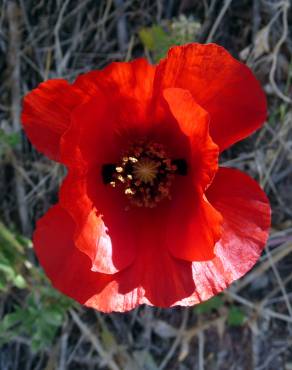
(70, 270)
(109, 251)
(246, 218)
(155, 278)
(246, 221)
(67, 268)
(193, 225)
(92, 138)
(224, 87)
(129, 87)
(91, 142)
(194, 123)
(187, 225)
(119, 110)
(46, 114)
(156, 274)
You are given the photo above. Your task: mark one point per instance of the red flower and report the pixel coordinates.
(145, 214)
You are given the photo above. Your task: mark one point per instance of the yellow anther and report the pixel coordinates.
(129, 191)
(120, 177)
(144, 174)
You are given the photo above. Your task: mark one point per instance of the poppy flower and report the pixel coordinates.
(145, 214)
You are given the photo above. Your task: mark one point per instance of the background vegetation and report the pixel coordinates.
(247, 327)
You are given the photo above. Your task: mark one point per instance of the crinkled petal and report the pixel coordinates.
(155, 278)
(117, 113)
(129, 86)
(246, 221)
(194, 123)
(92, 137)
(188, 226)
(67, 268)
(70, 270)
(46, 114)
(93, 141)
(220, 84)
(193, 225)
(102, 233)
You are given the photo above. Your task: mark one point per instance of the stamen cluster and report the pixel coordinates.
(146, 174)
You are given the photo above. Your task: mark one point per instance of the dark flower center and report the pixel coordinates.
(145, 174)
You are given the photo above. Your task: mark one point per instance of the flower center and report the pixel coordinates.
(145, 174)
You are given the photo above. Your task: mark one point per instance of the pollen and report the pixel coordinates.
(144, 174)
(133, 159)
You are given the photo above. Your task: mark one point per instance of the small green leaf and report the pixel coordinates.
(236, 316)
(146, 37)
(212, 304)
(11, 140)
(9, 321)
(19, 282)
(158, 39)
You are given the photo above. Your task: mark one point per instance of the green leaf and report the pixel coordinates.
(158, 39)
(41, 313)
(146, 37)
(210, 305)
(7, 239)
(152, 37)
(19, 282)
(236, 316)
(7, 271)
(11, 139)
(9, 320)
